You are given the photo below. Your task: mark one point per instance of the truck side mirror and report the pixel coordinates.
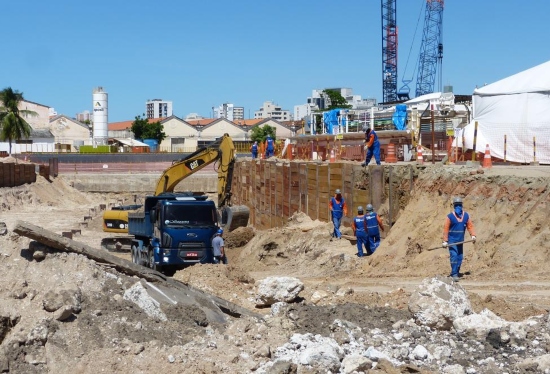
(152, 215)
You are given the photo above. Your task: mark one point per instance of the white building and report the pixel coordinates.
(192, 116)
(302, 111)
(223, 111)
(229, 111)
(84, 116)
(158, 108)
(42, 118)
(238, 113)
(271, 110)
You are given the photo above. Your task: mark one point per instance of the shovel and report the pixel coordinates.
(450, 244)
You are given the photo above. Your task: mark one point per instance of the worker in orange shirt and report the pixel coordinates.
(338, 209)
(455, 226)
(372, 145)
(374, 225)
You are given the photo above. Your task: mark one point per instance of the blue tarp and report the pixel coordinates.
(399, 118)
(330, 119)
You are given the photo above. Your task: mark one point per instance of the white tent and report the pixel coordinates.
(517, 107)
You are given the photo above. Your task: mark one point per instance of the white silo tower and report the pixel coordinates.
(100, 116)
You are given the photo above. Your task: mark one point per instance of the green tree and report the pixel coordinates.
(259, 134)
(337, 101)
(155, 131)
(12, 125)
(139, 126)
(142, 129)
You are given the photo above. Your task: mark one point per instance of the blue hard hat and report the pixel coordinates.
(219, 232)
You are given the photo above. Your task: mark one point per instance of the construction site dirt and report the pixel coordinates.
(353, 314)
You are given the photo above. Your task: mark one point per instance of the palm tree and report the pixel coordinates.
(12, 125)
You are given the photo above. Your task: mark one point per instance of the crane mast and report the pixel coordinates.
(431, 49)
(389, 50)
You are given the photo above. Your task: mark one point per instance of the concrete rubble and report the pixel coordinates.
(277, 289)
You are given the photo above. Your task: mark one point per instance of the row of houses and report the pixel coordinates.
(182, 136)
(64, 134)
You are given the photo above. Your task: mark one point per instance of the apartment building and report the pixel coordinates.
(271, 110)
(158, 108)
(228, 111)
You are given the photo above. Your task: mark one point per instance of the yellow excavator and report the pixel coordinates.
(222, 153)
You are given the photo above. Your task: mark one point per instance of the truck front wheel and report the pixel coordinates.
(152, 264)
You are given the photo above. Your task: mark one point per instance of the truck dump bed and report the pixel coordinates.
(139, 224)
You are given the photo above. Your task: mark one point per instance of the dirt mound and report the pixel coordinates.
(238, 237)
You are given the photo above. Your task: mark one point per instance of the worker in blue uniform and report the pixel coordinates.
(254, 150)
(374, 225)
(338, 209)
(454, 229)
(372, 145)
(269, 147)
(360, 232)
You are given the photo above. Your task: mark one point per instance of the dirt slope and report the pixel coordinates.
(509, 213)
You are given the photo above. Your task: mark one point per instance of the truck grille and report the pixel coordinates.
(191, 245)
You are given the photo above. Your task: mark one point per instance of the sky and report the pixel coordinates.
(200, 54)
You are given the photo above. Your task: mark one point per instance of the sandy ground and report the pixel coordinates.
(506, 270)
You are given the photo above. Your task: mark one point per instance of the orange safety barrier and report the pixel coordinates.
(487, 161)
(419, 157)
(391, 157)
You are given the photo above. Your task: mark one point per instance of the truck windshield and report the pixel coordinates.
(189, 215)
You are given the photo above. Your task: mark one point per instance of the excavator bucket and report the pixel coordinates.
(234, 216)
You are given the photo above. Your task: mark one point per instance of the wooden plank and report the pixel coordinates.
(11, 174)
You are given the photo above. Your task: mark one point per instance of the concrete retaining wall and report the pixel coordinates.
(137, 183)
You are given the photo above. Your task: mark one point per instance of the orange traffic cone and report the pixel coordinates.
(332, 156)
(419, 157)
(391, 158)
(487, 161)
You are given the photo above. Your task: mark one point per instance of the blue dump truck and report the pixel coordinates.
(175, 229)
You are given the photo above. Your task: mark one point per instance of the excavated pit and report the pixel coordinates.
(506, 273)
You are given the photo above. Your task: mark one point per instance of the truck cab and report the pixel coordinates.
(175, 230)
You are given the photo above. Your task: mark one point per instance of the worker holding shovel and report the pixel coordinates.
(455, 226)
